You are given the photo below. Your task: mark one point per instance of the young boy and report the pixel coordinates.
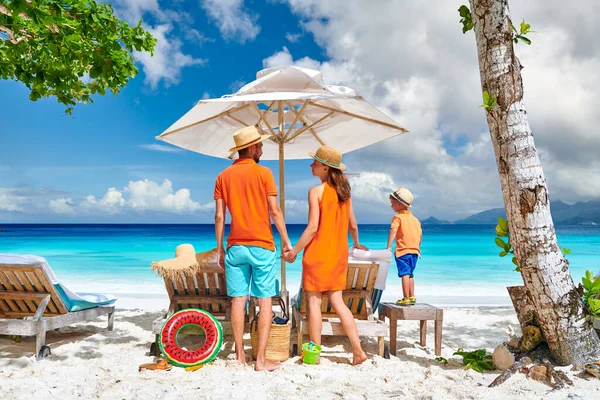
(406, 231)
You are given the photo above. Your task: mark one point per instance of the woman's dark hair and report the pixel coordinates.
(337, 179)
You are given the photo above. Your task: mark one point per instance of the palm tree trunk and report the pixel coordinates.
(544, 269)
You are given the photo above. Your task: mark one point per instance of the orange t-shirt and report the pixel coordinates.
(408, 234)
(244, 187)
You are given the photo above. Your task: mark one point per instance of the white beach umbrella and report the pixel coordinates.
(296, 107)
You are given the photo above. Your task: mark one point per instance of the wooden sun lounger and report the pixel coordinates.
(26, 292)
(205, 290)
(360, 281)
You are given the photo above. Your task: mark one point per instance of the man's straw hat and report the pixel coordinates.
(404, 196)
(246, 137)
(329, 156)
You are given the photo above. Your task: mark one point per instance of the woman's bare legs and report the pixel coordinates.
(315, 319)
(347, 319)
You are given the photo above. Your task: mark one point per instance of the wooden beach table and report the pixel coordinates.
(421, 312)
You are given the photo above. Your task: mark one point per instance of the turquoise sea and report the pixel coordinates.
(458, 261)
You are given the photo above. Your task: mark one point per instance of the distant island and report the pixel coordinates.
(581, 213)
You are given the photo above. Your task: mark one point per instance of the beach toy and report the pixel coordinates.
(185, 358)
(160, 364)
(310, 353)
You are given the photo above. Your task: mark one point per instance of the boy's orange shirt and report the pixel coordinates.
(408, 234)
(244, 187)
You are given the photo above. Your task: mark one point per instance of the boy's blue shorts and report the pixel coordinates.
(250, 269)
(406, 264)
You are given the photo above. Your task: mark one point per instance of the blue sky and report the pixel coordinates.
(424, 76)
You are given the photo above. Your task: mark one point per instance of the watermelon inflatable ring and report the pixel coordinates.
(185, 358)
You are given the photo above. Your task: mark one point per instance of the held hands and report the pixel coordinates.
(288, 253)
(289, 256)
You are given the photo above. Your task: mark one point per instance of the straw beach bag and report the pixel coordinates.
(278, 343)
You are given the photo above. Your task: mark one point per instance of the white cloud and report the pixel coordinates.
(168, 59)
(62, 206)
(284, 57)
(372, 187)
(161, 148)
(138, 196)
(232, 20)
(10, 202)
(296, 208)
(425, 75)
(293, 37)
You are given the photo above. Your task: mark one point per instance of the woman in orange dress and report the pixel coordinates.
(325, 244)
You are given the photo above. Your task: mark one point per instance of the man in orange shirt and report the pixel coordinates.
(406, 231)
(248, 191)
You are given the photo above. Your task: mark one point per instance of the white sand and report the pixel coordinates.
(89, 362)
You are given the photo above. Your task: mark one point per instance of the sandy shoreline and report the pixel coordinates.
(90, 362)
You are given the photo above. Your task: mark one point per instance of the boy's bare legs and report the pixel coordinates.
(264, 328)
(238, 316)
(411, 291)
(347, 320)
(406, 286)
(315, 318)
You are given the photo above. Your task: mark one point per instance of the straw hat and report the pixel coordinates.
(246, 137)
(186, 261)
(329, 156)
(404, 196)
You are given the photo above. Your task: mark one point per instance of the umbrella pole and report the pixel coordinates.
(282, 206)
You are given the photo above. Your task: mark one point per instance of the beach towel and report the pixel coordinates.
(73, 301)
(382, 257)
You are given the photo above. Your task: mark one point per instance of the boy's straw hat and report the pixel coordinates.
(246, 137)
(329, 156)
(404, 196)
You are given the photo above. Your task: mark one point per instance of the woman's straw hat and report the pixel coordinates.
(404, 196)
(246, 137)
(329, 156)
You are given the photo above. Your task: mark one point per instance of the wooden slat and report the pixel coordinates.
(9, 304)
(212, 284)
(24, 286)
(3, 307)
(180, 287)
(222, 285)
(360, 280)
(49, 288)
(35, 281)
(11, 294)
(16, 305)
(372, 277)
(191, 289)
(51, 308)
(19, 267)
(212, 287)
(18, 314)
(350, 277)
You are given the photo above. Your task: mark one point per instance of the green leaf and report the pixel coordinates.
(63, 41)
(503, 253)
(499, 242)
(507, 247)
(503, 224)
(525, 40)
(466, 18)
(566, 251)
(489, 102)
(525, 28)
